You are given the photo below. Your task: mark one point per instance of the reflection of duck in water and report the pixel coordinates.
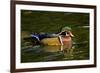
(63, 38)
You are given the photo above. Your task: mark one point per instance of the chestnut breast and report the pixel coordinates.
(67, 41)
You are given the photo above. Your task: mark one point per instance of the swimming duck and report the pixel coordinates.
(63, 38)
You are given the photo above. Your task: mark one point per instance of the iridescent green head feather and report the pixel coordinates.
(66, 29)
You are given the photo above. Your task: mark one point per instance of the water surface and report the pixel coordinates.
(53, 53)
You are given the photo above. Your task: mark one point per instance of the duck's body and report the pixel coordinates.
(62, 38)
(58, 41)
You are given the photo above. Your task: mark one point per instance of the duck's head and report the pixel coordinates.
(70, 34)
(67, 31)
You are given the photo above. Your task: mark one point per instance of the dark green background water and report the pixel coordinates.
(52, 22)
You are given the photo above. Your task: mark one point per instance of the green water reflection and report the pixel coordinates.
(32, 22)
(53, 53)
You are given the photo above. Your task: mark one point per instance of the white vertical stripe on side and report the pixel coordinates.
(61, 40)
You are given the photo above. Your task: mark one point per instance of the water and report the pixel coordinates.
(40, 53)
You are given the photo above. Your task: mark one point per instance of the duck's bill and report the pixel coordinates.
(71, 34)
